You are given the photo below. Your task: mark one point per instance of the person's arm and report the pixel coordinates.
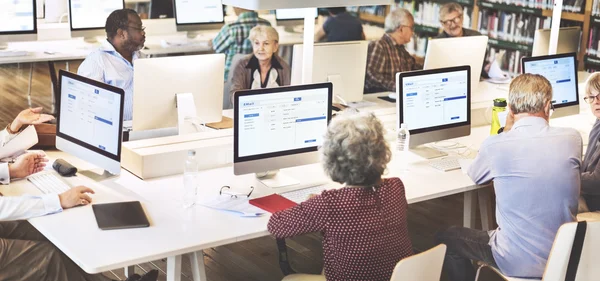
(4, 173)
(5, 137)
(26, 207)
(375, 67)
(590, 181)
(222, 41)
(480, 170)
(309, 216)
(238, 79)
(320, 34)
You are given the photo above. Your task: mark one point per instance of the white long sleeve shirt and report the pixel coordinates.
(26, 206)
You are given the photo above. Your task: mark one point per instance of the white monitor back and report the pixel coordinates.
(449, 52)
(156, 81)
(568, 41)
(341, 63)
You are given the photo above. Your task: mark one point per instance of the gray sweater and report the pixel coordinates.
(590, 170)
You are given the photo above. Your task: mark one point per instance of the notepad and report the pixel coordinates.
(273, 203)
(120, 215)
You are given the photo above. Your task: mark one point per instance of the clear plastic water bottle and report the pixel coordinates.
(403, 138)
(190, 180)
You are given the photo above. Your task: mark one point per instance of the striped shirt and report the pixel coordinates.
(385, 59)
(233, 38)
(108, 66)
(365, 230)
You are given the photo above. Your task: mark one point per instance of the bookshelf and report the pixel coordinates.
(586, 15)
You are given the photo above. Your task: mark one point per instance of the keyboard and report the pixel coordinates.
(5, 53)
(445, 164)
(301, 195)
(49, 183)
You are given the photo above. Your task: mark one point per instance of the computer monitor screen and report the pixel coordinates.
(279, 127)
(91, 14)
(198, 14)
(17, 17)
(568, 41)
(449, 52)
(435, 104)
(291, 14)
(89, 121)
(561, 71)
(157, 81)
(341, 63)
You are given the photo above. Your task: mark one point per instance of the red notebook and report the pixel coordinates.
(273, 203)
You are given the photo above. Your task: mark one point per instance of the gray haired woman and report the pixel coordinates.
(364, 223)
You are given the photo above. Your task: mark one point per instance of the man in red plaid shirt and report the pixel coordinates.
(387, 56)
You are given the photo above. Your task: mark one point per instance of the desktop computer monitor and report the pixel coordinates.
(279, 128)
(89, 121)
(568, 41)
(17, 21)
(561, 71)
(290, 18)
(449, 52)
(192, 15)
(435, 105)
(88, 17)
(157, 81)
(342, 64)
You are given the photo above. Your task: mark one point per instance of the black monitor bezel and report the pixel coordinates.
(103, 86)
(525, 60)
(400, 96)
(21, 32)
(195, 23)
(238, 94)
(86, 28)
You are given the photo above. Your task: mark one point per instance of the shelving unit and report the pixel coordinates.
(585, 18)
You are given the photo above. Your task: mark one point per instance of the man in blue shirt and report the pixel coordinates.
(536, 174)
(112, 63)
(340, 26)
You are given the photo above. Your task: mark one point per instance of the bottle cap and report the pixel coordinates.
(402, 126)
(191, 153)
(500, 102)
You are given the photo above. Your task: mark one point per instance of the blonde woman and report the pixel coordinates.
(264, 68)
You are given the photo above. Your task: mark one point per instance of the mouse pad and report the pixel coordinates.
(385, 98)
(120, 215)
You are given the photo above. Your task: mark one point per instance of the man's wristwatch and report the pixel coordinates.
(500, 130)
(10, 131)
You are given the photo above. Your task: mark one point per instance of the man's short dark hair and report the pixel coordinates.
(118, 19)
(336, 10)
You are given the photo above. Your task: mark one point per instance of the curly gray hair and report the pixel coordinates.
(397, 18)
(354, 150)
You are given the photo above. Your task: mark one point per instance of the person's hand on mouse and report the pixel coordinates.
(76, 196)
(27, 164)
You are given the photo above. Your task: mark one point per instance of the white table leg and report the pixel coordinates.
(197, 261)
(130, 270)
(470, 207)
(30, 81)
(174, 268)
(485, 207)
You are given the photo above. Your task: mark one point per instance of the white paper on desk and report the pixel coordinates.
(20, 143)
(361, 104)
(502, 117)
(496, 74)
(465, 164)
(240, 206)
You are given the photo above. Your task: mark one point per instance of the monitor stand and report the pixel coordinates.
(192, 34)
(96, 176)
(427, 152)
(275, 179)
(90, 40)
(3, 45)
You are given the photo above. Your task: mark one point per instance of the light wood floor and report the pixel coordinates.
(254, 259)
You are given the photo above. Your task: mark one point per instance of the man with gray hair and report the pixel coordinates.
(387, 56)
(536, 173)
(451, 18)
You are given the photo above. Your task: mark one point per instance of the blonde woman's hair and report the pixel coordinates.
(269, 32)
(592, 83)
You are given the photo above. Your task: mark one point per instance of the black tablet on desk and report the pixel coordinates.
(120, 215)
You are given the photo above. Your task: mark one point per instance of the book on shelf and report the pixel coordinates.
(378, 10)
(511, 27)
(573, 6)
(509, 60)
(417, 45)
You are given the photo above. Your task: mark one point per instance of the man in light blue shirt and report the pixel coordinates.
(536, 174)
(112, 63)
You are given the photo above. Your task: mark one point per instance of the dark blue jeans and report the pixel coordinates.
(463, 246)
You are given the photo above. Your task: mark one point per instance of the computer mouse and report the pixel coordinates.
(392, 96)
(335, 108)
